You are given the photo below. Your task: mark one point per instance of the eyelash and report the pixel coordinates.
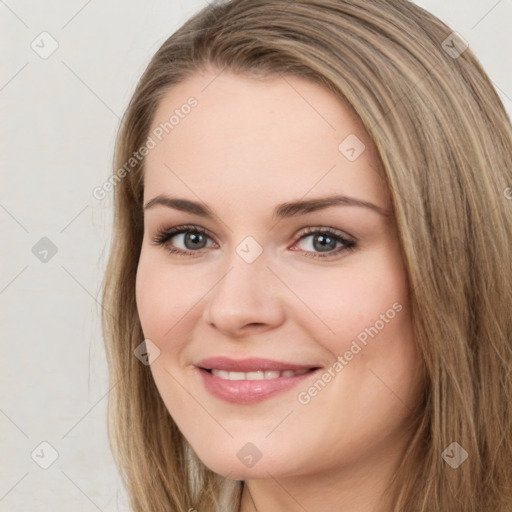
(164, 235)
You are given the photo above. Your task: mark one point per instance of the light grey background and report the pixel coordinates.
(59, 119)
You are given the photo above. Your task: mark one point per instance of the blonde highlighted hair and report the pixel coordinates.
(445, 143)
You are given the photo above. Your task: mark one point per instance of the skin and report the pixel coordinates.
(249, 145)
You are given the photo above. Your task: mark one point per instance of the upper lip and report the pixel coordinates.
(249, 364)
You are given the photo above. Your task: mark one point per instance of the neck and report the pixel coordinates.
(363, 489)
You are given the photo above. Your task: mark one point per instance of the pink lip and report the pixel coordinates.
(251, 364)
(249, 391)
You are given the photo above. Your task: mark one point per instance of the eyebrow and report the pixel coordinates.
(281, 211)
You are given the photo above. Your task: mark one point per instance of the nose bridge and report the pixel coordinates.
(245, 293)
(246, 273)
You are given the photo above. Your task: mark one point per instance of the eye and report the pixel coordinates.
(325, 240)
(192, 237)
(324, 243)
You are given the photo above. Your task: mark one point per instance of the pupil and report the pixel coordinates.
(323, 243)
(194, 238)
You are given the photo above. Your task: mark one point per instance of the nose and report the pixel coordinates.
(247, 298)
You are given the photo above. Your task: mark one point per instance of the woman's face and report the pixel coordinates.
(278, 272)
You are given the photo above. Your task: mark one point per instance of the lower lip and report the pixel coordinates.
(249, 391)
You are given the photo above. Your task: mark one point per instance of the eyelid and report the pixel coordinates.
(163, 231)
(163, 234)
(315, 229)
(349, 242)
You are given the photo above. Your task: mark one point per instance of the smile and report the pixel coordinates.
(244, 388)
(256, 375)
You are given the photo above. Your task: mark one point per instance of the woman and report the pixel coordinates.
(319, 188)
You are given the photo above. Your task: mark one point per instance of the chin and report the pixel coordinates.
(239, 465)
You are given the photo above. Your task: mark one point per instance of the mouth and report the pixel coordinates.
(258, 374)
(251, 365)
(252, 386)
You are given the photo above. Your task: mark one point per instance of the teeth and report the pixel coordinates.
(257, 375)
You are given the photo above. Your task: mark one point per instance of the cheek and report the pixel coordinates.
(339, 304)
(147, 295)
(362, 313)
(161, 297)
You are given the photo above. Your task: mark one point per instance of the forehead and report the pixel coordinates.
(276, 138)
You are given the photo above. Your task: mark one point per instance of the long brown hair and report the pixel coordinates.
(445, 142)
